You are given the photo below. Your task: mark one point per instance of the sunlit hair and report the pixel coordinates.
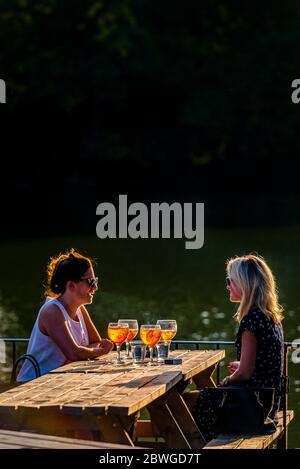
(256, 281)
(65, 267)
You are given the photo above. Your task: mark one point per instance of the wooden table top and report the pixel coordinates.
(100, 387)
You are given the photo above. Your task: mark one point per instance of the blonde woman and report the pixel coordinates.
(259, 340)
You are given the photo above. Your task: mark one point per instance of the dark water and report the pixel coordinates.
(152, 279)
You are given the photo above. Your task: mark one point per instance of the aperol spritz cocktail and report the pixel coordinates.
(168, 329)
(133, 330)
(150, 335)
(168, 332)
(117, 333)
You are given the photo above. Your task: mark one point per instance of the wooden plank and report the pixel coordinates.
(102, 365)
(122, 385)
(263, 441)
(10, 446)
(249, 441)
(105, 366)
(146, 394)
(51, 394)
(81, 390)
(224, 442)
(104, 362)
(91, 390)
(35, 389)
(58, 390)
(194, 365)
(11, 439)
(116, 391)
(24, 390)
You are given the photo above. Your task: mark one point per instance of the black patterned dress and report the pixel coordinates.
(267, 371)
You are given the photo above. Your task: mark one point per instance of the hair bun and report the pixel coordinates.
(71, 253)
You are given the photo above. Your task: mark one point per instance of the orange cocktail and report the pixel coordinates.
(133, 330)
(168, 329)
(168, 332)
(167, 336)
(117, 333)
(150, 335)
(131, 334)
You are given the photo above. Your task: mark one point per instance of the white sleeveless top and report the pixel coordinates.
(45, 350)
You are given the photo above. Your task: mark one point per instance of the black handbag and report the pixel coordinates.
(244, 410)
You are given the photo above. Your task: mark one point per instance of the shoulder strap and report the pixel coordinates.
(62, 308)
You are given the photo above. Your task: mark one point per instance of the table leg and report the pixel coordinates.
(116, 429)
(205, 379)
(175, 422)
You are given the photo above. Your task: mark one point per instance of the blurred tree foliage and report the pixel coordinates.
(139, 94)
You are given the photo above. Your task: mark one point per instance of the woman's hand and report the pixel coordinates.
(106, 346)
(225, 381)
(233, 366)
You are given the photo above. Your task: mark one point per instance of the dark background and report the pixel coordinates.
(163, 101)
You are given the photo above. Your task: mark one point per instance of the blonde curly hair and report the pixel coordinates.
(257, 283)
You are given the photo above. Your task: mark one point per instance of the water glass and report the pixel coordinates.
(162, 350)
(138, 353)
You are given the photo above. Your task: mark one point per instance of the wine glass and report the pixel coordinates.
(168, 331)
(150, 335)
(117, 333)
(133, 330)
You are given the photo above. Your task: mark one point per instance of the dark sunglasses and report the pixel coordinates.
(228, 281)
(92, 282)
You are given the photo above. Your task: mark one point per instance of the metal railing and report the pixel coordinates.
(175, 345)
(198, 343)
(224, 343)
(14, 342)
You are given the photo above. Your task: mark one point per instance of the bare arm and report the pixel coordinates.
(247, 361)
(53, 323)
(94, 336)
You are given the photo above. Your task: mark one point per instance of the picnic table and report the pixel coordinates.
(97, 400)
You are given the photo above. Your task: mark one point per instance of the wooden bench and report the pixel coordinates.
(251, 441)
(20, 440)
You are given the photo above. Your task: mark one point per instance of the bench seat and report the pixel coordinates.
(20, 440)
(249, 441)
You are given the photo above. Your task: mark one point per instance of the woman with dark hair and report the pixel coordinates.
(63, 330)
